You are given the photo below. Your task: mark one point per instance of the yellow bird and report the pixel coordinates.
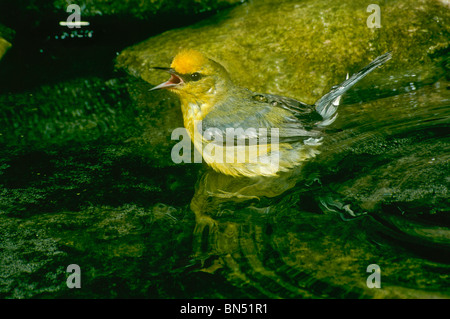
(243, 133)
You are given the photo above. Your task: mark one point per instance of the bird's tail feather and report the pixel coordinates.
(327, 105)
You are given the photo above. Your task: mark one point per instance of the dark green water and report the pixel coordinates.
(76, 187)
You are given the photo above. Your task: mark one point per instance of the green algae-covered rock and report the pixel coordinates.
(84, 112)
(105, 242)
(300, 49)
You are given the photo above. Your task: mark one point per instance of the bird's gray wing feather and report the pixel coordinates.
(262, 111)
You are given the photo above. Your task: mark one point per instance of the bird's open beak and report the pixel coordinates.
(174, 80)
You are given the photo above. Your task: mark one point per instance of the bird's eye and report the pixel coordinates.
(196, 76)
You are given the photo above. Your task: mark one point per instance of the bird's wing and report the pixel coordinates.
(293, 119)
(305, 113)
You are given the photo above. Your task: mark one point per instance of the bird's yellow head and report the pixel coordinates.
(193, 75)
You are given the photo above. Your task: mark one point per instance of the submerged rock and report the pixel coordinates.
(36, 251)
(90, 112)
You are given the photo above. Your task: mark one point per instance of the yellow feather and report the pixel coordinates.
(188, 61)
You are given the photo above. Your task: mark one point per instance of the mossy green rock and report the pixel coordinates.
(301, 49)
